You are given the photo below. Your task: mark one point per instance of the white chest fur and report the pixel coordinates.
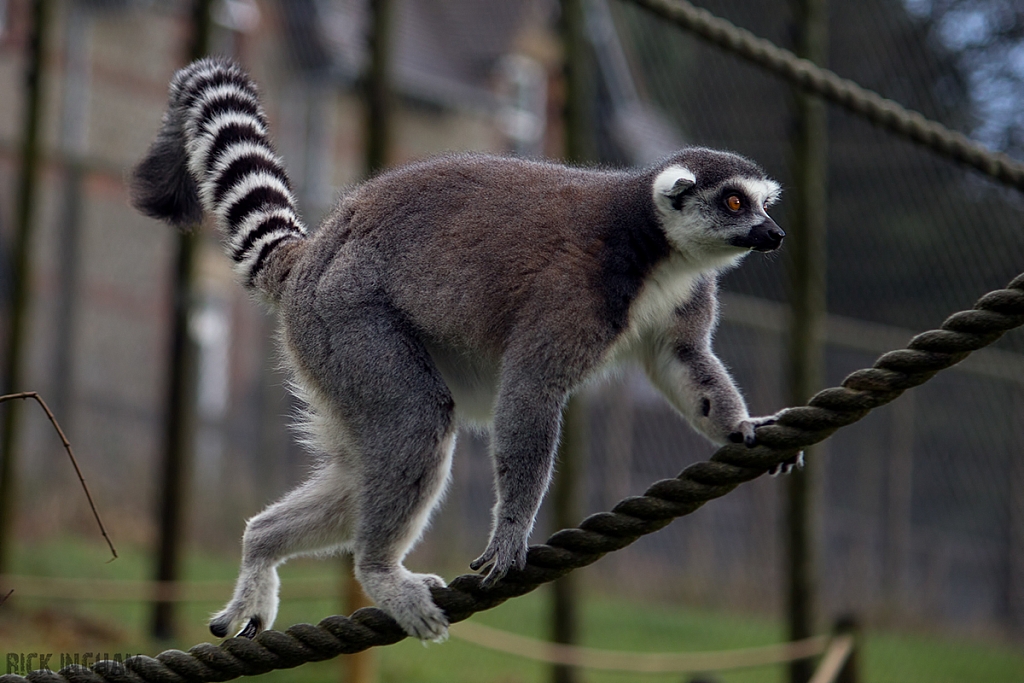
(664, 290)
(669, 286)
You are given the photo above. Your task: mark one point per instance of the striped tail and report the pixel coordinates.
(214, 154)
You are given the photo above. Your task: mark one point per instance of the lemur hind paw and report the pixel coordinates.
(220, 625)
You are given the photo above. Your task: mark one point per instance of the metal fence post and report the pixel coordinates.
(35, 75)
(179, 427)
(808, 257)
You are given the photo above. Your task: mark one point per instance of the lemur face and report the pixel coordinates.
(742, 203)
(715, 203)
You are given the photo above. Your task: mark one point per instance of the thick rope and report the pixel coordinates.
(797, 428)
(812, 78)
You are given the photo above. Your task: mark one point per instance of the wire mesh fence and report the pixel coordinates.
(922, 515)
(918, 502)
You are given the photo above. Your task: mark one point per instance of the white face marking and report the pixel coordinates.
(762, 193)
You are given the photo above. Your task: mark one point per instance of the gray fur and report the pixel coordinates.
(465, 289)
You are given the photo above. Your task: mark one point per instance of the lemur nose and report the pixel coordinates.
(767, 237)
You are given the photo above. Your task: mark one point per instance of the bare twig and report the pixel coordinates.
(67, 447)
(4, 599)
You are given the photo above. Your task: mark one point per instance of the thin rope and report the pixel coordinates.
(132, 590)
(812, 78)
(639, 662)
(835, 657)
(604, 532)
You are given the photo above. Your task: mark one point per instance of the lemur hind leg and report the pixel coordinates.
(391, 524)
(318, 515)
(400, 415)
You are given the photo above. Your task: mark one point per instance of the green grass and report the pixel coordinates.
(39, 625)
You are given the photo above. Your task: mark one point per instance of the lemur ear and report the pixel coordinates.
(673, 182)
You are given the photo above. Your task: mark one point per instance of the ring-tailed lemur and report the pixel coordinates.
(466, 287)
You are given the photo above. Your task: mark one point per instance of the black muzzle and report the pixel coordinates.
(766, 236)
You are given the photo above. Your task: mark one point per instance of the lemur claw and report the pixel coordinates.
(251, 628)
(479, 562)
(500, 560)
(493, 577)
(489, 564)
(787, 466)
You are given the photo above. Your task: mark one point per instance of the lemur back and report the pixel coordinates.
(464, 279)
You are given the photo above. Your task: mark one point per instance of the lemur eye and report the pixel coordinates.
(733, 202)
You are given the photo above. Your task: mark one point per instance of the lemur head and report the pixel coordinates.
(714, 204)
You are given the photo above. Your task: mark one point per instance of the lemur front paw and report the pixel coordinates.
(744, 432)
(506, 550)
